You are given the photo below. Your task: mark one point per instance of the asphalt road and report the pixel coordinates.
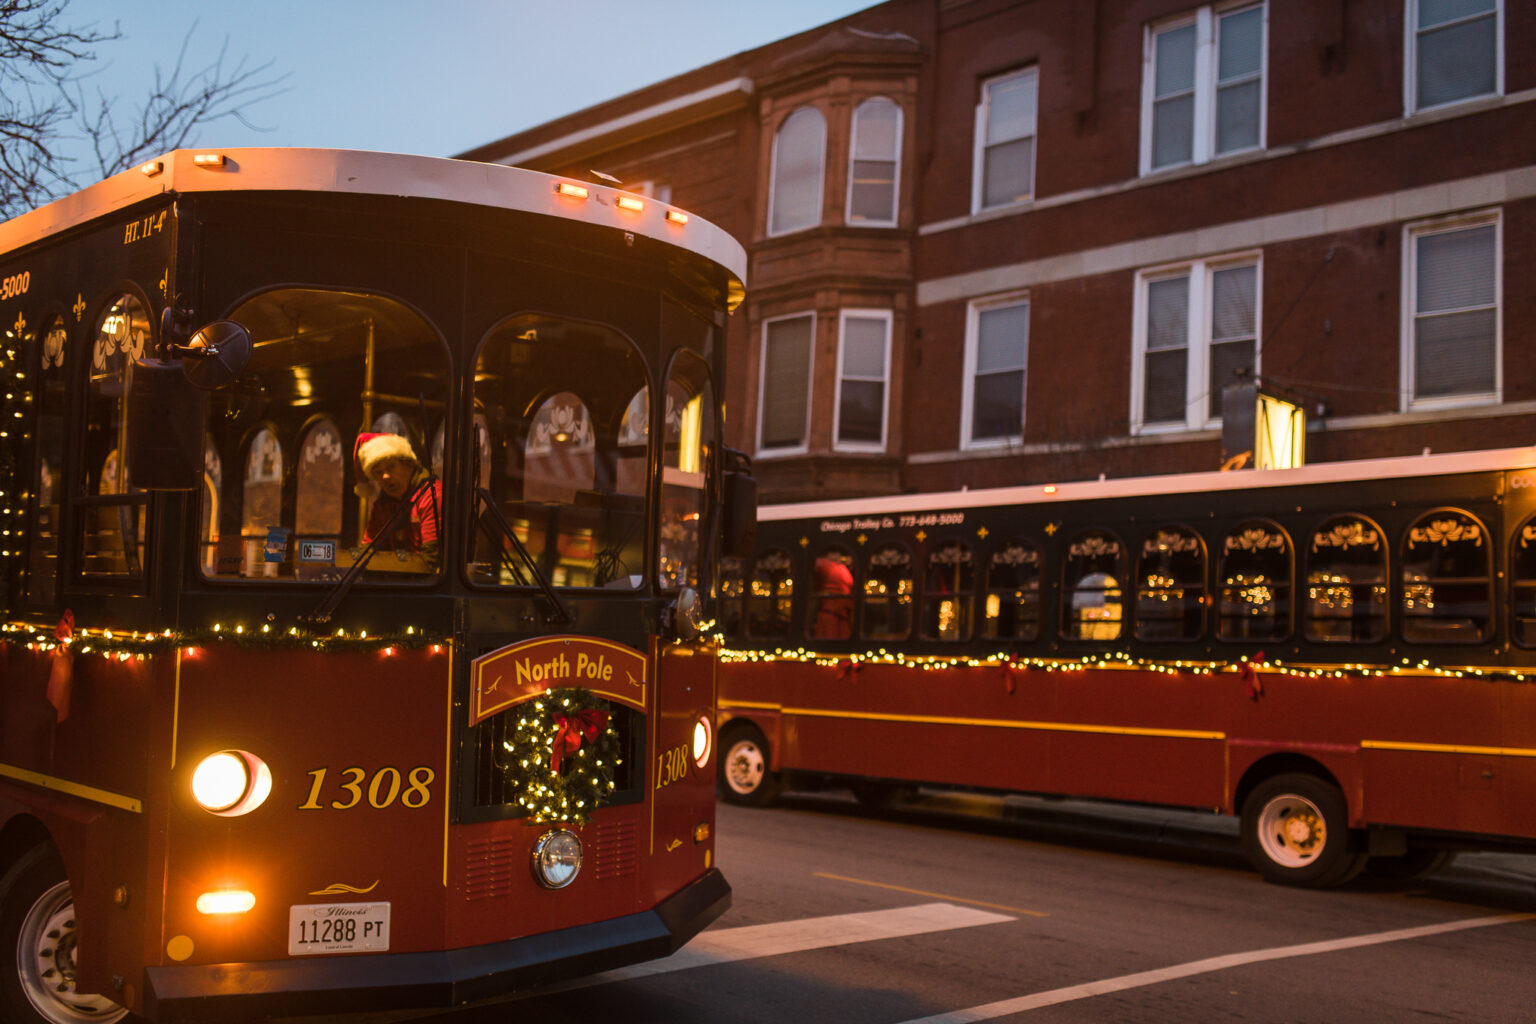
(957, 909)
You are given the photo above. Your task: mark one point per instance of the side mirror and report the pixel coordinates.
(166, 413)
(739, 521)
(216, 354)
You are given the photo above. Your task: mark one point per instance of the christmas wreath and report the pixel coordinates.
(561, 757)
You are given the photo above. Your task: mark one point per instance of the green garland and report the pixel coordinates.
(586, 772)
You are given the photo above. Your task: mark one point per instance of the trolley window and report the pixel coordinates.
(1346, 599)
(1255, 572)
(1013, 592)
(1170, 586)
(566, 412)
(1447, 579)
(1092, 599)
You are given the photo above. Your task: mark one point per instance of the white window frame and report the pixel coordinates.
(968, 385)
(821, 174)
(979, 141)
(762, 387)
(1411, 60)
(1197, 349)
(1439, 226)
(853, 147)
(1203, 149)
(888, 319)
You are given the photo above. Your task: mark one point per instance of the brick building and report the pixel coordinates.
(1008, 241)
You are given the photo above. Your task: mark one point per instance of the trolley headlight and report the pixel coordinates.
(231, 782)
(557, 859)
(703, 740)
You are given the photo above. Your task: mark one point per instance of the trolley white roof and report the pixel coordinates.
(1500, 459)
(380, 174)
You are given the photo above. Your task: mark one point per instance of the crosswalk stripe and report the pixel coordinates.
(1104, 986)
(748, 942)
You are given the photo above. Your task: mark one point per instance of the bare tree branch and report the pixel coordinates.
(47, 114)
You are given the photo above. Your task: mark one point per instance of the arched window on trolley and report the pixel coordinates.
(1346, 595)
(1255, 574)
(887, 594)
(1092, 582)
(949, 585)
(1170, 586)
(1013, 592)
(829, 610)
(1447, 579)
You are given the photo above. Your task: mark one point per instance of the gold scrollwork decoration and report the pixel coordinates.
(1352, 533)
(1445, 532)
(1255, 538)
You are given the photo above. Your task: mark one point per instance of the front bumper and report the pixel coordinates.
(396, 981)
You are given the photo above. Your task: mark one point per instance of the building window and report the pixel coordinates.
(996, 356)
(863, 356)
(1197, 330)
(799, 153)
(1203, 86)
(1453, 51)
(1452, 345)
(874, 166)
(1004, 163)
(785, 409)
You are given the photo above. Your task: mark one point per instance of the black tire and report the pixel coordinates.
(37, 944)
(1295, 831)
(744, 777)
(1416, 864)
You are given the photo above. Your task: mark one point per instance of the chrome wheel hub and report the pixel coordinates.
(45, 962)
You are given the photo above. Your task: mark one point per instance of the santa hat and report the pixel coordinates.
(372, 449)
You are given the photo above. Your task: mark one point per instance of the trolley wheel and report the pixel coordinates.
(1295, 831)
(744, 775)
(37, 948)
(1416, 864)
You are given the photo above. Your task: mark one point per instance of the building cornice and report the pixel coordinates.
(636, 126)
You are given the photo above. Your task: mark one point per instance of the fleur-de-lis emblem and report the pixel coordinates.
(79, 307)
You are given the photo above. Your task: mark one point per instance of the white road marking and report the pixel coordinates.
(724, 945)
(1003, 1008)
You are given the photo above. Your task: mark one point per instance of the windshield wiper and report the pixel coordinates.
(322, 613)
(558, 611)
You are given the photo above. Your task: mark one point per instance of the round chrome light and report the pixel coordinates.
(703, 740)
(557, 859)
(231, 782)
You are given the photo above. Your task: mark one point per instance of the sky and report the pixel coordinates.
(434, 77)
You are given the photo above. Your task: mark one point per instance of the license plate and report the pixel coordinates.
(338, 928)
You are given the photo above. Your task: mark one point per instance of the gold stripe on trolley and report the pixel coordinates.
(1448, 748)
(100, 796)
(1006, 723)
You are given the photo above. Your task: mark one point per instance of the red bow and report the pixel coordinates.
(1251, 676)
(848, 667)
(1010, 670)
(61, 674)
(572, 729)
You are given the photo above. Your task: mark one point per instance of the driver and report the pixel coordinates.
(389, 463)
